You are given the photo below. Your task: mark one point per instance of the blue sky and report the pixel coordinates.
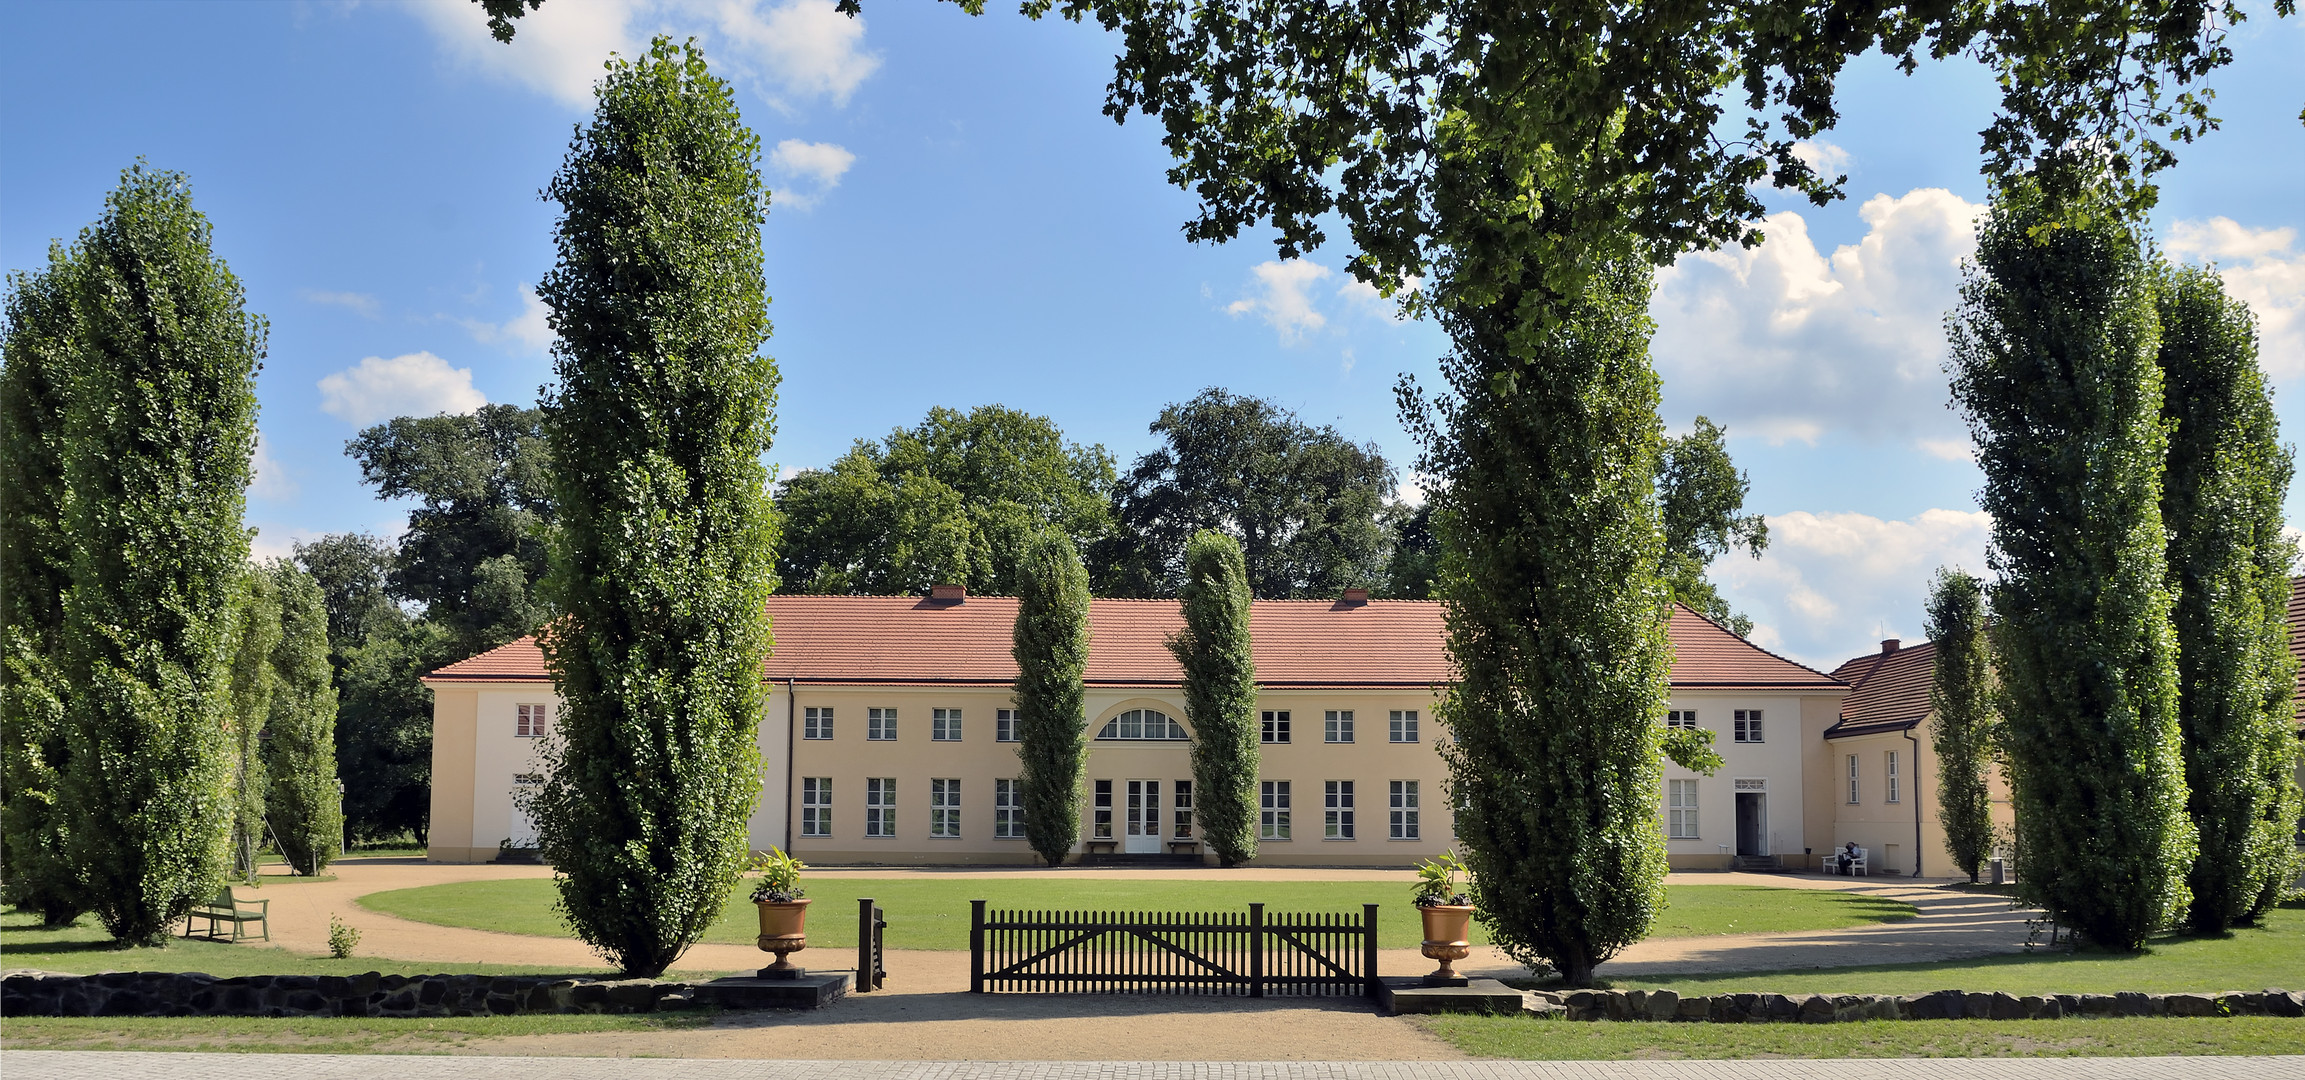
(956, 223)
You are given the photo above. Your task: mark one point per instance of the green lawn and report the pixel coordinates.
(83, 949)
(310, 1035)
(1537, 1040)
(930, 912)
(2271, 955)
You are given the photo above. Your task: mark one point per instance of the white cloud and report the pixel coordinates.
(417, 384)
(2263, 268)
(1948, 449)
(1785, 342)
(1831, 585)
(271, 480)
(362, 303)
(822, 163)
(789, 52)
(528, 330)
(1284, 301)
(1827, 159)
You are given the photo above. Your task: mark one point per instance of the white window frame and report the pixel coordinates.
(1406, 811)
(1853, 789)
(1681, 810)
(944, 808)
(944, 725)
(530, 720)
(1273, 729)
(1337, 810)
(1337, 726)
(880, 806)
(1893, 790)
(816, 806)
(1681, 720)
(1004, 725)
(1181, 803)
(1404, 726)
(880, 723)
(816, 722)
(1100, 810)
(1273, 810)
(1748, 726)
(1007, 810)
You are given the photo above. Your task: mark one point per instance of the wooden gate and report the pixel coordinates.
(1242, 954)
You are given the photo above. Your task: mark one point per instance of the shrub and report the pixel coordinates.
(342, 938)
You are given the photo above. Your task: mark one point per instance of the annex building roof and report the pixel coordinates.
(1888, 690)
(1297, 644)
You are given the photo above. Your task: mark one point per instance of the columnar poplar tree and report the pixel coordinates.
(255, 637)
(158, 437)
(303, 803)
(2053, 361)
(1051, 644)
(36, 362)
(1554, 754)
(661, 562)
(2229, 565)
(1961, 700)
(1220, 690)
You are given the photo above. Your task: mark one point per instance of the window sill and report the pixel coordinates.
(1405, 840)
(1340, 839)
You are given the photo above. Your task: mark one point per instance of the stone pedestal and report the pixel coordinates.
(804, 991)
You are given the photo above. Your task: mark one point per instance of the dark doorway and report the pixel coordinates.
(1752, 823)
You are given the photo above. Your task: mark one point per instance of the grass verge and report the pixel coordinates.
(932, 913)
(83, 949)
(2271, 954)
(1536, 1040)
(335, 1035)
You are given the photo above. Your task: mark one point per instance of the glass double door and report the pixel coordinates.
(1143, 820)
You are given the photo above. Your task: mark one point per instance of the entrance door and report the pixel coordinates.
(1144, 818)
(1752, 823)
(523, 826)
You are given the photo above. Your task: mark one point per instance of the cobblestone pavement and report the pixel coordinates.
(92, 1065)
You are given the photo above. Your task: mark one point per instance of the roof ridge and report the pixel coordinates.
(1747, 642)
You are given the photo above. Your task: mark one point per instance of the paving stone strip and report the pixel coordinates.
(109, 1065)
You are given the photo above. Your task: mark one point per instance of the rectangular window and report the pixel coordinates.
(1276, 729)
(1891, 791)
(528, 721)
(1681, 719)
(1404, 726)
(1004, 725)
(1404, 810)
(816, 722)
(1337, 810)
(1337, 726)
(1100, 818)
(1681, 809)
(1184, 809)
(944, 807)
(816, 806)
(1007, 810)
(1273, 810)
(879, 725)
(880, 806)
(944, 725)
(1748, 725)
(1852, 779)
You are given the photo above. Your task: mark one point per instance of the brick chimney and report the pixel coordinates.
(1356, 596)
(948, 594)
(1890, 645)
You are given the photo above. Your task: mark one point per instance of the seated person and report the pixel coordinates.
(1848, 855)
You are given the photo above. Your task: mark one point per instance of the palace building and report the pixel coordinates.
(888, 737)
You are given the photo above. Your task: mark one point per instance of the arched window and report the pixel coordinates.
(1142, 724)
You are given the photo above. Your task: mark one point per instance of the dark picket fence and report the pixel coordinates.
(1249, 954)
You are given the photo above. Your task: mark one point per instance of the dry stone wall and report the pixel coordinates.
(157, 993)
(1755, 1008)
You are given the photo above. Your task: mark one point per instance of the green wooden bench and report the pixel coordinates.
(227, 907)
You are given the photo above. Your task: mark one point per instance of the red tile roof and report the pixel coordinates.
(1888, 691)
(900, 640)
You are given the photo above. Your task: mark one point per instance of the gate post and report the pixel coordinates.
(1369, 950)
(976, 946)
(1256, 950)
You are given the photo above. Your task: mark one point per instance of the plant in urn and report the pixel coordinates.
(1448, 915)
(783, 912)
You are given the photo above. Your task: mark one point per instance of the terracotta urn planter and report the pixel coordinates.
(783, 931)
(1447, 939)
